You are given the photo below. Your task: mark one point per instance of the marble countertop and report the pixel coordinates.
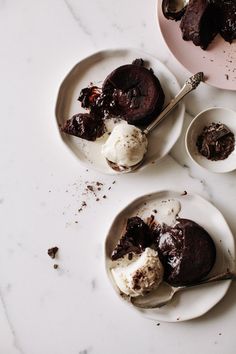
(73, 309)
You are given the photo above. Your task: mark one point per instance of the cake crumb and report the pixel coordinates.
(90, 188)
(52, 252)
(55, 266)
(184, 193)
(83, 205)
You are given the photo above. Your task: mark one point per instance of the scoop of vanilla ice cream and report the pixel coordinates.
(126, 145)
(139, 275)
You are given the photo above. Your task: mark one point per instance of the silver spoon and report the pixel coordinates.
(165, 292)
(189, 86)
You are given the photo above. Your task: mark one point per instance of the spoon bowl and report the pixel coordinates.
(124, 169)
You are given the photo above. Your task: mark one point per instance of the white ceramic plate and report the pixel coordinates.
(196, 301)
(203, 119)
(94, 69)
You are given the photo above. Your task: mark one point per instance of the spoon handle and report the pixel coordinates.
(222, 276)
(189, 85)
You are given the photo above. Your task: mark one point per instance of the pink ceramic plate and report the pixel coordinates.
(218, 62)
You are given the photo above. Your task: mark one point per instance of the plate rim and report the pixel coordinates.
(138, 200)
(89, 57)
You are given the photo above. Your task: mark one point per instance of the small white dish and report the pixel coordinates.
(217, 115)
(95, 69)
(193, 302)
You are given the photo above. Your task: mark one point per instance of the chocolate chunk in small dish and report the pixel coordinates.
(210, 139)
(216, 142)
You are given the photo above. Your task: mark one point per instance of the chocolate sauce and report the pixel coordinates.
(137, 237)
(84, 125)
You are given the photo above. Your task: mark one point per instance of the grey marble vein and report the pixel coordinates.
(2, 3)
(85, 351)
(94, 284)
(15, 340)
(77, 19)
(205, 187)
(191, 114)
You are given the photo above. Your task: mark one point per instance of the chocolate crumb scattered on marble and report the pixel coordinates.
(52, 252)
(89, 187)
(83, 205)
(90, 191)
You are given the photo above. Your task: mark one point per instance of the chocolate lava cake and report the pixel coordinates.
(136, 238)
(203, 19)
(226, 18)
(136, 91)
(199, 23)
(131, 92)
(187, 252)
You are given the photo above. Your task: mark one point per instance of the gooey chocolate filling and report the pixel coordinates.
(186, 250)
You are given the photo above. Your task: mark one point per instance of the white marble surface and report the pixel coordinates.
(73, 309)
